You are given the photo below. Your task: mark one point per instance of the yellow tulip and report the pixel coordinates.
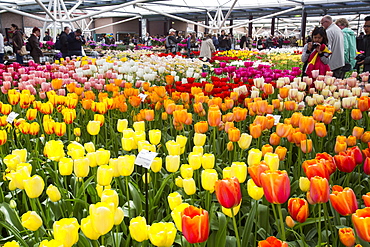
(176, 215)
(54, 150)
(172, 163)
(53, 193)
(118, 216)
(186, 171)
(128, 133)
(156, 165)
(139, 126)
(209, 178)
(227, 172)
(51, 243)
(195, 160)
(254, 156)
(127, 143)
(88, 229)
(104, 175)
(139, 229)
(126, 165)
(239, 170)
(173, 148)
(245, 141)
(75, 150)
(208, 161)
(11, 244)
(179, 182)
(81, 167)
(304, 184)
(113, 163)
(89, 147)
(92, 159)
(65, 166)
(138, 136)
(93, 127)
(77, 132)
(199, 139)
(122, 125)
(11, 161)
(31, 220)
(17, 178)
(66, 231)
(34, 186)
(102, 157)
(182, 140)
(272, 160)
(162, 234)
(198, 150)
(174, 199)
(189, 186)
(253, 190)
(102, 217)
(155, 136)
(227, 211)
(21, 153)
(110, 196)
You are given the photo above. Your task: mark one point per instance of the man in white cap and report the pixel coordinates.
(172, 41)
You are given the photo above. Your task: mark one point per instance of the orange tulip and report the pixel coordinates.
(306, 146)
(228, 192)
(351, 141)
(274, 139)
(356, 114)
(361, 222)
(343, 200)
(281, 152)
(262, 106)
(201, 127)
(365, 137)
(169, 79)
(320, 129)
(298, 209)
(276, 103)
(134, 101)
(195, 224)
(240, 114)
(276, 186)
(366, 199)
(255, 172)
(267, 148)
(319, 190)
(347, 236)
(284, 92)
(357, 131)
(314, 168)
(318, 115)
(328, 116)
(306, 125)
(340, 146)
(295, 119)
(214, 116)
(283, 130)
(290, 105)
(272, 242)
(363, 104)
(255, 130)
(268, 89)
(234, 134)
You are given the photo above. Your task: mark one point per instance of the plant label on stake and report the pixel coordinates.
(145, 158)
(13, 115)
(142, 96)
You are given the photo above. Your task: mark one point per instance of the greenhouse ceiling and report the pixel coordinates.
(192, 10)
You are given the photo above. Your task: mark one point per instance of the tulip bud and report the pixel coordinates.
(189, 186)
(53, 193)
(179, 182)
(304, 184)
(289, 221)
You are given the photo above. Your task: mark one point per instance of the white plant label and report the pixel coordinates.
(145, 158)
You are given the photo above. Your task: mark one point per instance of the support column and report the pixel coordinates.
(196, 26)
(273, 26)
(231, 23)
(165, 27)
(358, 24)
(206, 30)
(303, 25)
(250, 26)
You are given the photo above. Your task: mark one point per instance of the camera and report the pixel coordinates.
(360, 57)
(315, 45)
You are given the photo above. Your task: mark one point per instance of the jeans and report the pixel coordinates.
(19, 58)
(1, 57)
(75, 53)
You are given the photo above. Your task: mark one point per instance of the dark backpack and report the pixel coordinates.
(28, 46)
(58, 45)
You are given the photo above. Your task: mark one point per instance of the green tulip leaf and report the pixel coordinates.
(14, 231)
(10, 216)
(136, 198)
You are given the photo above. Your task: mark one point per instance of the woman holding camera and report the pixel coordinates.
(316, 53)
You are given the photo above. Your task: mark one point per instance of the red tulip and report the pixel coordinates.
(361, 222)
(345, 162)
(228, 192)
(298, 209)
(328, 161)
(276, 186)
(343, 200)
(356, 153)
(272, 242)
(314, 168)
(195, 224)
(319, 190)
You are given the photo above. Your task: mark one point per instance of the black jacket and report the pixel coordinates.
(63, 42)
(75, 44)
(367, 52)
(35, 46)
(18, 41)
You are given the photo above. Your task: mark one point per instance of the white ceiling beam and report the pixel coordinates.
(264, 17)
(46, 10)
(228, 13)
(23, 13)
(112, 24)
(175, 17)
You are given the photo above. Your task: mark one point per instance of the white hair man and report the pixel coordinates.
(336, 45)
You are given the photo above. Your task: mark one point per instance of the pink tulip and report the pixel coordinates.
(7, 85)
(62, 92)
(3, 90)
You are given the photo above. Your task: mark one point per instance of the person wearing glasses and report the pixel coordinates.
(365, 59)
(336, 43)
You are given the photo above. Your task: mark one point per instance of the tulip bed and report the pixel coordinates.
(247, 153)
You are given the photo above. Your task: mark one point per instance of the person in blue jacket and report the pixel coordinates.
(349, 45)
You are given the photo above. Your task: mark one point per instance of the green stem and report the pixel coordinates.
(281, 223)
(319, 227)
(127, 196)
(235, 228)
